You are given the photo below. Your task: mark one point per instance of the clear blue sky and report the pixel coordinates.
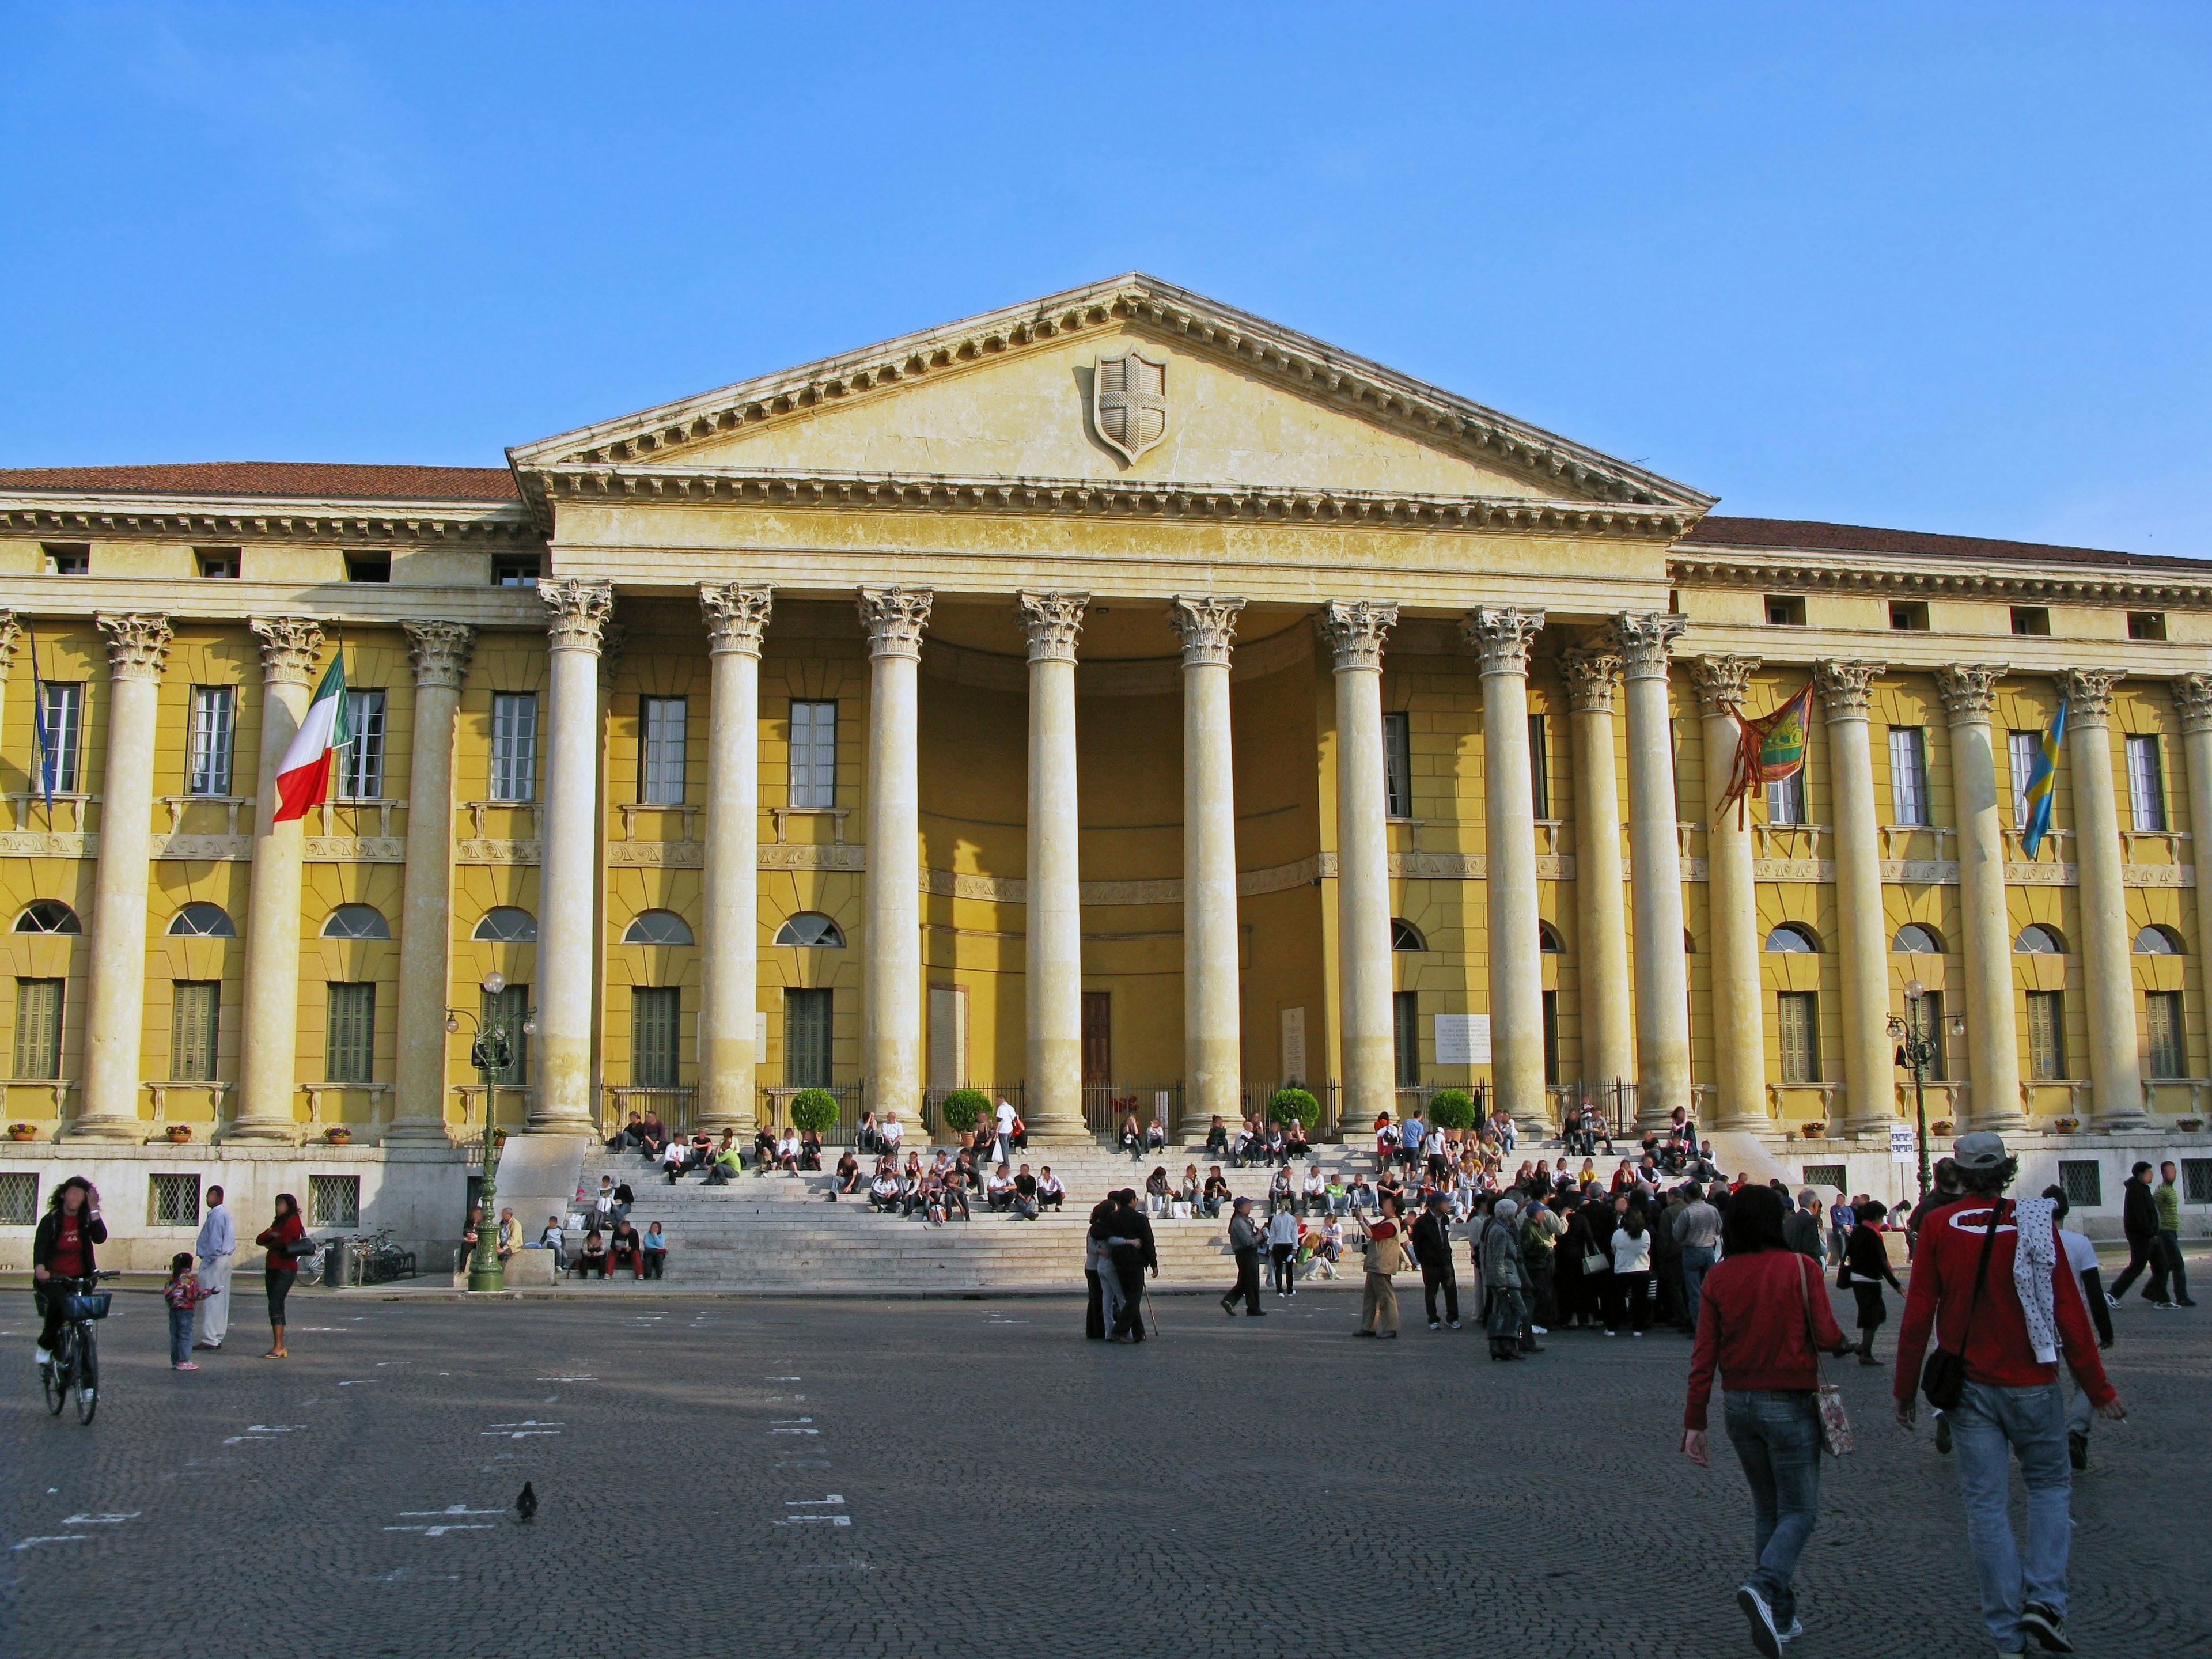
(1946, 267)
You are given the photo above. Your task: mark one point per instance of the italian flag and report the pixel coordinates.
(303, 780)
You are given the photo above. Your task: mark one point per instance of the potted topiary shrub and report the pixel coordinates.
(963, 1108)
(813, 1110)
(1452, 1108)
(1285, 1105)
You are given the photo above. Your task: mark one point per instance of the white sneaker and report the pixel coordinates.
(1538, 1330)
(40, 1356)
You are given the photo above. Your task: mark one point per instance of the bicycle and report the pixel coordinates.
(75, 1368)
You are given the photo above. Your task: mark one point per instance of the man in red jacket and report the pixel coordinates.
(2010, 1331)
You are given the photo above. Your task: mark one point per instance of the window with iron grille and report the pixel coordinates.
(806, 1016)
(1785, 799)
(2046, 1035)
(2164, 1048)
(515, 745)
(19, 1198)
(2146, 784)
(333, 1200)
(214, 724)
(2196, 1180)
(1908, 775)
(507, 1010)
(1406, 1036)
(655, 1045)
(195, 1017)
(61, 726)
(174, 1201)
(660, 756)
(361, 763)
(1398, 765)
(350, 1054)
(1797, 1023)
(1828, 1175)
(2021, 750)
(38, 1027)
(814, 754)
(2082, 1180)
(1540, 779)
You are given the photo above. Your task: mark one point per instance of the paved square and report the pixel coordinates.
(763, 1478)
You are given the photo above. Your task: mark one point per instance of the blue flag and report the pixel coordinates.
(2043, 784)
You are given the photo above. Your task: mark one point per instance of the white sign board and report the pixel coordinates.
(1902, 1145)
(1462, 1039)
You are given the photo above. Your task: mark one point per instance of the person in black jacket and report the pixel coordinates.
(1128, 1235)
(1866, 1265)
(2139, 1220)
(62, 1254)
(1800, 1228)
(1432, 1250)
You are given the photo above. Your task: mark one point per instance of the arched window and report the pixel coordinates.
(2157, 941)
(1547, 940)
(1791, 938)
(356, 921)
(47, 916)
(506, 925)
(812, 927)
(2037, 940)
(657, 927)
(1404, 936)
(202, 920)
(1915, 940)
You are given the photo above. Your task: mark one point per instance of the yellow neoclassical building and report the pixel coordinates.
(1116, 695)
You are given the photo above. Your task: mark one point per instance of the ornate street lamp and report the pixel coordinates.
(1917, 1050)
(491, 1052)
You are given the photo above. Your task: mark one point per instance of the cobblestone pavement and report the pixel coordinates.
(770, 1477)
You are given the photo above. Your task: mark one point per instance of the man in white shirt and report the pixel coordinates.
(218, 1243)
(891, 1133)
(1005, 1119)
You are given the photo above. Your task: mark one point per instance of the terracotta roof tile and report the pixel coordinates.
(338, 480)
(1811, 536)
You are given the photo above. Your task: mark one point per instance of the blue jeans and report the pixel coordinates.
(180, 1335)
(1989, 1426)
(1697, 1262)
(1778, 1441)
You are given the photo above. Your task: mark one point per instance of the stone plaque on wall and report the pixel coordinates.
(1462, 1039)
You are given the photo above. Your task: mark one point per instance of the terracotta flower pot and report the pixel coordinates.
(178, 1133)
(2189, 1125)
(338, 1137)
(1944, 1127)
(2067, 1126)
(1813, 1131)
(22, 1132)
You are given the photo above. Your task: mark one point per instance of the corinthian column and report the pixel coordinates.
(1608, 1036)
(1501, 638)
(1354, 633)
(1732, 899)
(1053, 959)
(569, 946)
(2192, 700)
(137, 646)
(269, 1018)
(1662, 979)
(1213, 996)
(894, 619)
(1862, 931)
(440, 652)
(736, 619)
(2115, 1071)
(1969, 693)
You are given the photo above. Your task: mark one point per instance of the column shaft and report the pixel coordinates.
(737, 621)
(894, 619)
(2192, 699)
(1968, 691)
(1663, 982)
(1053, 954)
(2107, 955)
(1601, 914)
(115, 1014)
(440, 651)
(1862, 931)
(1502, 639)
(568, 946)
(1731, 905)
(1355, 633)
(1212, 993)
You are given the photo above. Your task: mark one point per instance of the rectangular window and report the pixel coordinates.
(806, 1039)
(1398, 765)
(661, 755)
(350, 1054)
(2196, 1181)
(38, 1027)
(220, 564)
(1908, 775)
(1540, 781)
(508, 1010)
(61, 722)
(1909, 615)
(2146, 624)
(369, 567)
(2021, 749)
(514, 569)
(655, 1044)
(2046, 1035)
(2162, 1027)
(215, 725)
(195, 1015)
(1798, 1024)
(1406, 1031)
(361, 763)
(1925, 1018)
(68, 558)
(333, 1200)
(1551, 1037)
(2082, 1180)
(2146, 784)
(2033, 619)
(173, 1201)
(1785, 609)
(515, 745)
(19, 1198)
(814, 754)
(1785, 799)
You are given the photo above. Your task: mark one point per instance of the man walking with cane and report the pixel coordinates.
(218, 1243)
(1244, 1245)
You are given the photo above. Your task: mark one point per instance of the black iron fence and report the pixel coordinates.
(1016, 1094)
(1108, 1107)
(677, 1109)
(852, 1100)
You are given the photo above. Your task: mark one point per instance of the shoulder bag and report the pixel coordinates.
(1835, 1424)
(1943, 1378)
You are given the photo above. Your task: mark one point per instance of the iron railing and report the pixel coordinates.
(1256, 1097)
(678, 1107)
(1106, 1106)
(852, 1100)
(1614, 1103)
(1016, 1094)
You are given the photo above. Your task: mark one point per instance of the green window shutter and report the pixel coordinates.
(655, 1049)
(350, 1055)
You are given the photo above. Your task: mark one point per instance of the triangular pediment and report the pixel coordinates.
(1051, 390)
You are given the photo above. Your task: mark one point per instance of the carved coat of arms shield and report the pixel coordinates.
(1129, 403)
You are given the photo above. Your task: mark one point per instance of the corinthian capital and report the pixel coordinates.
(1355, 631)
(439, 651)
(1052, 621)
(2088, 694)
(1501, 637)
(1591, 672)
(1721, 681)
(10, 632)
(737, 616)
(576, 613)
(1846, 687)
(1969, 690)
(1206, 624)
(288, 645)
(2192, 701)
(1644, 641)
(894, 619)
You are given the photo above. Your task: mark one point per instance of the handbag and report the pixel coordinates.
(1835, 1423)
(1943, 1378)
(1596, 1262)
(301, 1248)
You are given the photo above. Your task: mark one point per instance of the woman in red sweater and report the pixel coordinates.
(283, 1236)
(1763, 1317)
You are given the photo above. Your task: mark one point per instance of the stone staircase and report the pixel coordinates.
(778, 1234)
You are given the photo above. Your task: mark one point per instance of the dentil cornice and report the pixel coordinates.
(1921, 580)
(133, 518)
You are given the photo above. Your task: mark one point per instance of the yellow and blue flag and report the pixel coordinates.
(2043, 785)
